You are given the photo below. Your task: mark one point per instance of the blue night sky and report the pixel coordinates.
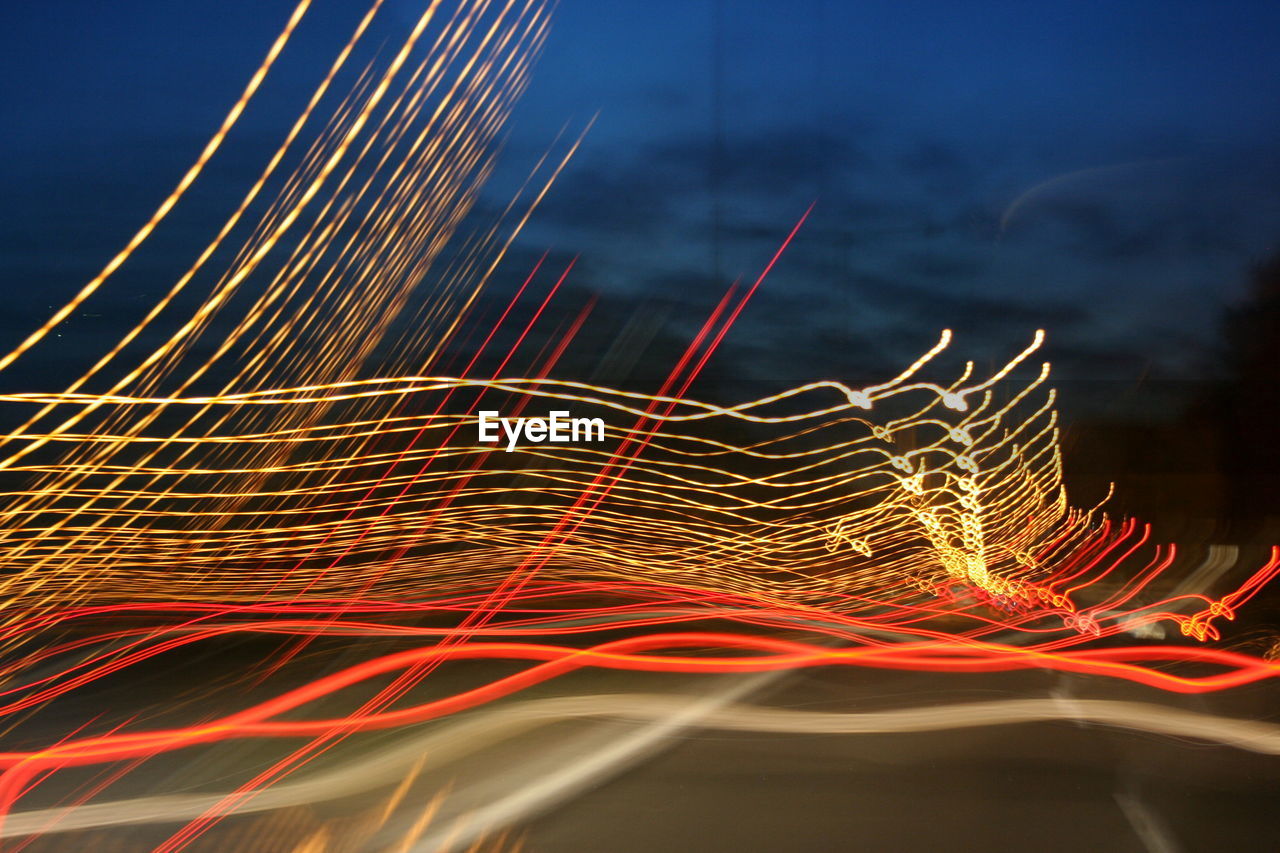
(1106, 170)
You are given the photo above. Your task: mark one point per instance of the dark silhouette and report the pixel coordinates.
(1244, 407)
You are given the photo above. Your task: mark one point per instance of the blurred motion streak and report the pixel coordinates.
(279, 455)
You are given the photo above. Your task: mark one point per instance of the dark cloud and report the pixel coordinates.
(955, 267)
(913, 142)
(943, 169)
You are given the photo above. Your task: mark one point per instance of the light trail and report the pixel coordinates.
(471, 734)
(289, 461)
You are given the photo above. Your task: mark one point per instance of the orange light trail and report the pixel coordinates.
(279, 450)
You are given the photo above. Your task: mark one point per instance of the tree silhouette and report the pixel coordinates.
(1246, 406)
